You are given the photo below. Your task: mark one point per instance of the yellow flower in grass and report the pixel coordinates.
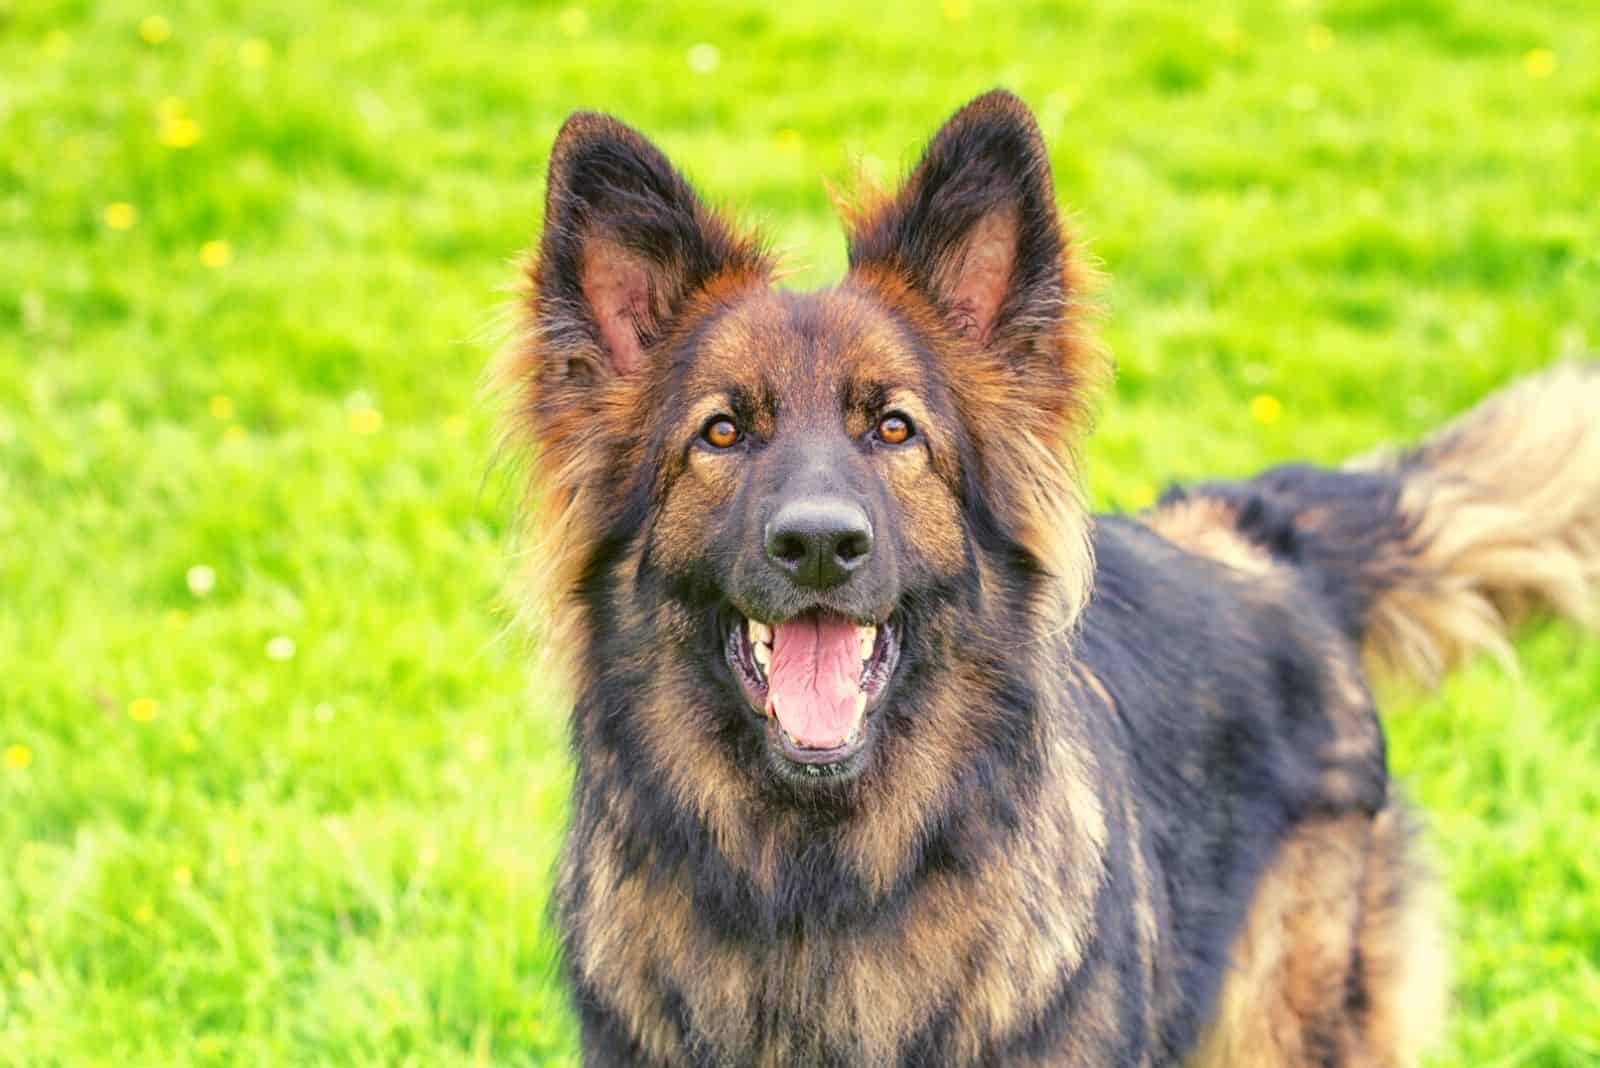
(155, 29)
(221, 407)
(574, 22)
(143, 709)
(216, 253)
(1266, 409)
(1539, 63)
(254, 52)
(366, 420)
(181, 132)
(182, 875)
(1228, 35)
(18, 757)
(121, 215)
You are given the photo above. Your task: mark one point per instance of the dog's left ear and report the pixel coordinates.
(974, 229)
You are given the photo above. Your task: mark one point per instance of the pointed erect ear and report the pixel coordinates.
(626, 244)
(975, 230)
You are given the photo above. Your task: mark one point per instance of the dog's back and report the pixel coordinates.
(1415, 559)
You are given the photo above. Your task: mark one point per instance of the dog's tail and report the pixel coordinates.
(1432, 554)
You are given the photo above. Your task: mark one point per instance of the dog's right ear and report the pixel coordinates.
(626, 246)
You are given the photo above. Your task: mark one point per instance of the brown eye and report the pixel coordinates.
(894, 429)
(721, 434)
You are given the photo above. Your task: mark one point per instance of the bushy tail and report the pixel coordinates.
(1431, 554)
(1501, 510)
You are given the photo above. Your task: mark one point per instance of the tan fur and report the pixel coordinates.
(572, 437)
(866, 354)
(1402, 941)
(1209, 527)
(572, 410)
(1506, 506)
(1144, 892)
(1031, 416)
(882, 982)
(1026, 441)
(1340, 907)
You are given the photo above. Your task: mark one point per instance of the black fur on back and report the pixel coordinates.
(1340, 530)
(1223, 716)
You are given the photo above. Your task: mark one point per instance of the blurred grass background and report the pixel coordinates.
(273, 789)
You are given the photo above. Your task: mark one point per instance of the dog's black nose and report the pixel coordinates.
(819, 541)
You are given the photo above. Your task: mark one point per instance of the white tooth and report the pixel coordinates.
(760, 633)
(861, 707)
(762, 653)
(869, 637)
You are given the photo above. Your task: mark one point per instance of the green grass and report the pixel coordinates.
(1372, 211)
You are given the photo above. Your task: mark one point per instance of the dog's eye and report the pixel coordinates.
(720, 433)
(894, 429)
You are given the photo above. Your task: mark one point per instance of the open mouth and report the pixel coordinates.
(816, 679)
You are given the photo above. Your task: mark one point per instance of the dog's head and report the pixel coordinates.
(799, 537)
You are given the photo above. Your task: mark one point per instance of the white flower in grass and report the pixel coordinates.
(704, 58)
(202, 579)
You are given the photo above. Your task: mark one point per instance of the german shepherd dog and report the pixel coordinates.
(886, 751)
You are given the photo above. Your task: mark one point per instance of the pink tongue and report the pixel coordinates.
(814, 680)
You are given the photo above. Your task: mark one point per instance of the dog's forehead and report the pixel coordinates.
(802, 348)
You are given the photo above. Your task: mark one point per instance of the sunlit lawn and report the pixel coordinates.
(273, 785)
